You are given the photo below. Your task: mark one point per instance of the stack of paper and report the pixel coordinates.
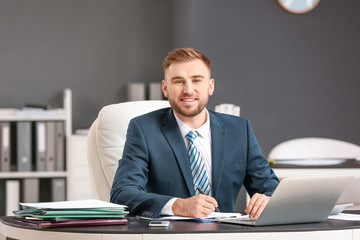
(213, 217)
(70, 213)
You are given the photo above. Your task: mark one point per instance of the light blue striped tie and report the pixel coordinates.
(200, 178)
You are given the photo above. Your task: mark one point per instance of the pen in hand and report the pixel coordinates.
(202, 192)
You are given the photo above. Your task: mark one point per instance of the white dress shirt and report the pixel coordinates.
(203, 144)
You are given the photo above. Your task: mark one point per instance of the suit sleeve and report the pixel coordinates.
(129, 186)
(260, 178)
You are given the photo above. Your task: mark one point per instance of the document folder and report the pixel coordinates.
(5, 149)
(12, 196)
(58, 189)
(50, 146)
(2, 197)
(40, 146)
(59, 144)
(23, 136)
(83, 222)
(30, 189)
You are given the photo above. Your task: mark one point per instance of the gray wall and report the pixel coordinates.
(293, 75)
(92, 47)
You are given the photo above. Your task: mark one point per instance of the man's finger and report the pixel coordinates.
(259, 206)
(249, 208)
(256, 205)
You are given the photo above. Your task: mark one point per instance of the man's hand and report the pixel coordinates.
(196, 206)
(256, 205)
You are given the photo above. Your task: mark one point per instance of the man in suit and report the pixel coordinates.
(171, 151)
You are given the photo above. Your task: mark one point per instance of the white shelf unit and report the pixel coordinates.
(22, 175)
(60, 114)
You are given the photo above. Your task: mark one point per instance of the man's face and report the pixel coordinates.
(187, 86)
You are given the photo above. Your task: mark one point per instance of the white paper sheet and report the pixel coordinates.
(346, 217)
(213, 215)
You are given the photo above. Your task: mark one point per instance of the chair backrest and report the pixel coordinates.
(106, 141)
(302, 148)
(228, 108)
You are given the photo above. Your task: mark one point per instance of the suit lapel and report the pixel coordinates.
(172, 134)
(218, 142)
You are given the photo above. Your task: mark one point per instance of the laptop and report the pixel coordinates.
(299, 200)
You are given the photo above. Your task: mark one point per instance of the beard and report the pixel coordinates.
(188, 111)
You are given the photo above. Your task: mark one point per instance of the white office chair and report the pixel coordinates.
(302, 148)
(322, 148)
(106, 141)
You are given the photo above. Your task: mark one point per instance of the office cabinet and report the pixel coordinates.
(33, 154)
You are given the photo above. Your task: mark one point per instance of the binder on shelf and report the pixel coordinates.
(30, 190)
(60, 146)
(45, 190)
(12, 196)
(58, 189)
(0, 147)
(155, 91)
(50, 146)
(23, 136)
(40, 145)
(5, 149)
(2, 198)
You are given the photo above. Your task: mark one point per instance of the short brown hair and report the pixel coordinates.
(184, 55)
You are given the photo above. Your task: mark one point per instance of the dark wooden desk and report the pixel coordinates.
(138, 229)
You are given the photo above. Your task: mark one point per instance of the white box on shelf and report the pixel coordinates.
(78, 174)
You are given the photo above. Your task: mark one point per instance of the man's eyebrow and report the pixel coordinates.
(181, 78)
(176, 78)
(197, 76)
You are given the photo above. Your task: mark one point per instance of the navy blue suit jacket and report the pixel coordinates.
(155, 167)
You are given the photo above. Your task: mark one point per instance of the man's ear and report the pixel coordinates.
(211, 87)
(164, 88)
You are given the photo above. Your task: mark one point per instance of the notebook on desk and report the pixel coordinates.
(299, 200)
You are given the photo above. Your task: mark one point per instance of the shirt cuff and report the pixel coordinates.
(167, 209)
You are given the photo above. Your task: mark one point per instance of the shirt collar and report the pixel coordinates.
(203, 131)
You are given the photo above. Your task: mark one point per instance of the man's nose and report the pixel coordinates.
(188, 88)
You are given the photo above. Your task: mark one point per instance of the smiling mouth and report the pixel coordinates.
(188, 100)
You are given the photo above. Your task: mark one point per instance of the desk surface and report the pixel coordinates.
(140, 228)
